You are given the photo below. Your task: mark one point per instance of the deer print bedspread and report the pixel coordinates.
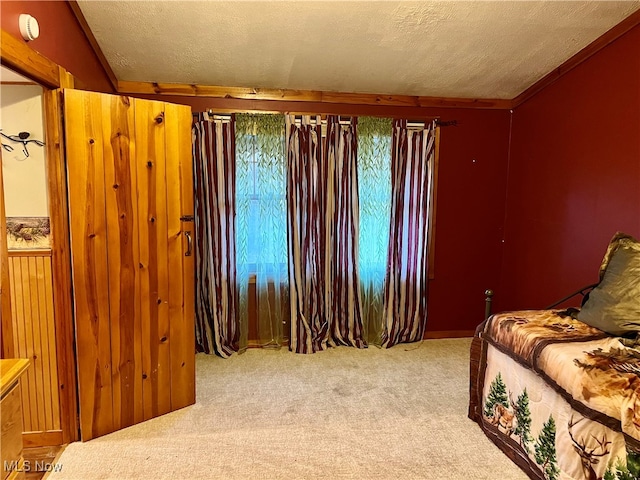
(584, 365)
(525, 333)
(559, 397)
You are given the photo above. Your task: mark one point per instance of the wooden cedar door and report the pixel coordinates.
(130, 182)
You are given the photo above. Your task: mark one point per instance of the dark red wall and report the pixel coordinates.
(469, 218)
(574, 177)
(471, 200)
(61, 39)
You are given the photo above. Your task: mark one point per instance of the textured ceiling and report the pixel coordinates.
(474, 49)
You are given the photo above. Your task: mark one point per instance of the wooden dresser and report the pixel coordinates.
(11, 414)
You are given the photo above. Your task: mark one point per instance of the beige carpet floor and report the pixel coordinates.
(343, 413)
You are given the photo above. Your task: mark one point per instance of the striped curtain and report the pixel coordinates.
(215, 205)
(342, 286)
(305, 198)
(405, 297)
(322, 195)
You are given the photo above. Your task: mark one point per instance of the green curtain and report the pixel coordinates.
(374, 189)
(261, 232)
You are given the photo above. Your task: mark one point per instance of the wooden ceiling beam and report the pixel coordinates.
(212, 91)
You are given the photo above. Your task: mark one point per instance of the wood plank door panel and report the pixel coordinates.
(179, 167)
(126, 193)
(122, 235)
(85, 145)
(152, 208)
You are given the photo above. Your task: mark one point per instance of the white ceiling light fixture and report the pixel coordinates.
(29, 27)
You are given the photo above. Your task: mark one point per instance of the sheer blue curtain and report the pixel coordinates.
(374, 186)
(261, 237)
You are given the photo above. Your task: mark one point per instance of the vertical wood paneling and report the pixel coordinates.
(52, 352)
(20, 334)
(27, 322)
(44, 337)
(86, 176)
(179, 203)
(35, 320)
(152, 208)
(34, 328)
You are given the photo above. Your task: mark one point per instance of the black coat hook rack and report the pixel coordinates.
(23, 138)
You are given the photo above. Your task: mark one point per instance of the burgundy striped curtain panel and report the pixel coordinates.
(215, 206)
(322, 194)
(322, 235)
(405, 296)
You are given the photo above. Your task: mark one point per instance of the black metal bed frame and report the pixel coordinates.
(584, 291)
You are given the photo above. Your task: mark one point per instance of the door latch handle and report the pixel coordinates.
(189, 244)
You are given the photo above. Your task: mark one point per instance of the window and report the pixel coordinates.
(374, 191)
(261, 193)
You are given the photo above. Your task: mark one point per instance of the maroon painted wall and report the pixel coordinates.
(471, 200)
(574, 177)
(469, 218)
(61, 40)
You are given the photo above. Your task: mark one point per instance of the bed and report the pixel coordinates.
(558, 391)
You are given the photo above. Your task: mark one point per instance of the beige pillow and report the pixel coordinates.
(614, 305)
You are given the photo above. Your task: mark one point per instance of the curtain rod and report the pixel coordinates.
(222, 117)
(342, 119)
(447, 123)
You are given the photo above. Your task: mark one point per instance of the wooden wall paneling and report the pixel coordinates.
(51, 363)
(63, 328)
(181, 316)
(6, 323)
(86, 170)
(42, 439)
(122, 240)
(43, 324)
(20, 338)
(153, 234)
(31, 266)
(32, 278)
(21, 271)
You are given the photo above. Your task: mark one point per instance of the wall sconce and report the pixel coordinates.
(29, 27)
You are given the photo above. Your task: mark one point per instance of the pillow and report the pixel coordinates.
(614, 305)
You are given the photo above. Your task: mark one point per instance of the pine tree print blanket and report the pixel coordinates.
(560, 398)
